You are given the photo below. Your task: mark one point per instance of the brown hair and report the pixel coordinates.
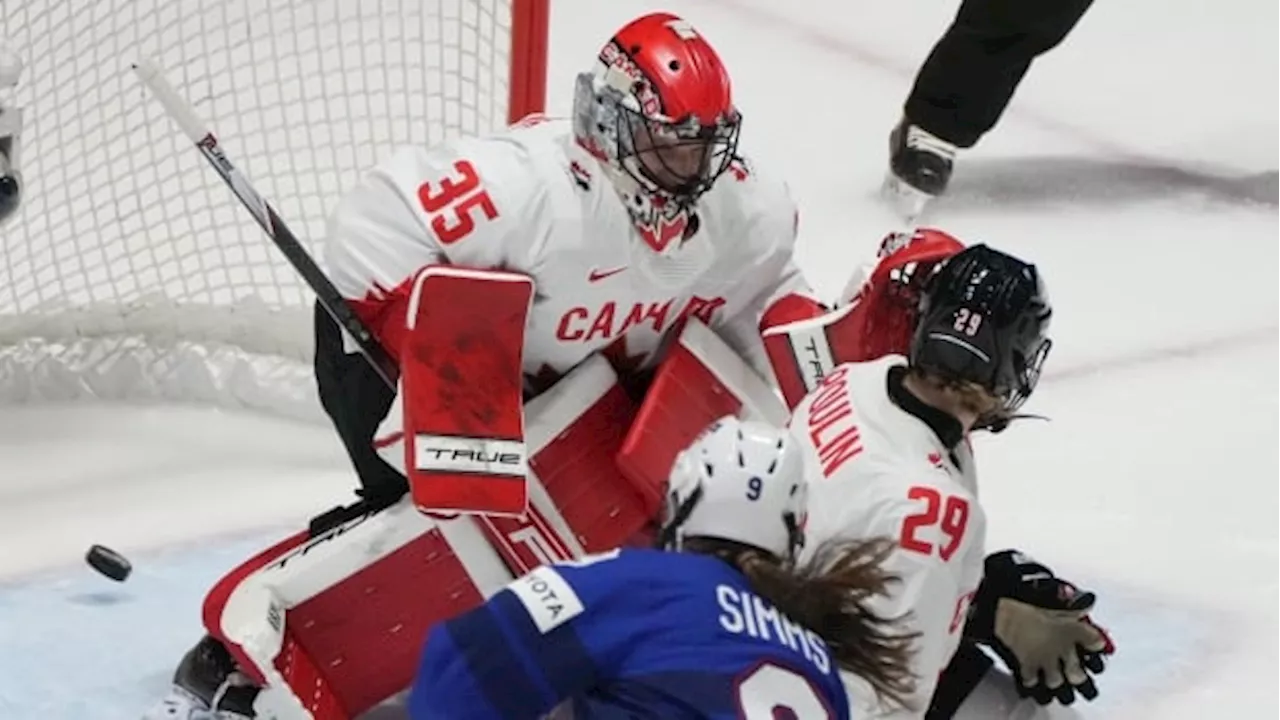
(828, 595)
(971, 396)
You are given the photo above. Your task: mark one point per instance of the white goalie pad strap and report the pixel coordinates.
(253, 617)
(758, 398)
(565, 402)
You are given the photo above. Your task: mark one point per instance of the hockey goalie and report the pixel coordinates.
(567, 304)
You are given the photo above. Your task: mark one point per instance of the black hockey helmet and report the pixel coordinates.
(984, 318)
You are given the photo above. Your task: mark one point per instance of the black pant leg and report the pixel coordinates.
(971, 74)
(957, 681)
(356, 400)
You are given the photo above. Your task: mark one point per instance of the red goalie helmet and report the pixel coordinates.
(658, 112)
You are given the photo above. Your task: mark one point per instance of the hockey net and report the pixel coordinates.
(131, 272)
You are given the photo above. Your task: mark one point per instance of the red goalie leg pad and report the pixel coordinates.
(351, 606)
(216, 599)
(580, 502)
(700, 380)
(462, 384)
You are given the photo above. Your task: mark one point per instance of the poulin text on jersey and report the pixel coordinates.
(831, 425)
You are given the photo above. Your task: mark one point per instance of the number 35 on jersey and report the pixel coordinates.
(456, 203)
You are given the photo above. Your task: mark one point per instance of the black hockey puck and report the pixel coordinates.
(108, 562)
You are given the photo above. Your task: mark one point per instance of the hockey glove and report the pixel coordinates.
(1039, 625)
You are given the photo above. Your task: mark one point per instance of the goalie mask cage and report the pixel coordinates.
(131, 271)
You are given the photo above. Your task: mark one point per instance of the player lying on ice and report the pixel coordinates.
(727, 626)
(933, 345)
(490, 268)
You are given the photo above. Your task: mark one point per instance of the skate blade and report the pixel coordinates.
(908, 202)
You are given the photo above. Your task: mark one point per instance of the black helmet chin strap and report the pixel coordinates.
(998, 422)
(795, 534)
(667, 535)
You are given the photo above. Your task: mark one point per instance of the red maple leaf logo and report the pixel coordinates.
(540, 381)
(624, 362)
(663, 231)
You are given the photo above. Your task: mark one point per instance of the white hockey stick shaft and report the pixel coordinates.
(202, 136)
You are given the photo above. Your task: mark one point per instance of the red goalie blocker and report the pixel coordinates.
(334, 622)
(461, 385)
(804, 341)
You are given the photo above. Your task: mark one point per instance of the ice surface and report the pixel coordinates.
(1137, 166)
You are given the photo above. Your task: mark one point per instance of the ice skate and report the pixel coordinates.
(920, 165)
(206, 686)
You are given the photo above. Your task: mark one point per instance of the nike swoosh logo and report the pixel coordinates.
(598, 275)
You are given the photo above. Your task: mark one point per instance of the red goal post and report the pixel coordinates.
(130, 272)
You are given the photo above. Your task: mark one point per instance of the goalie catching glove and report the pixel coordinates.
(1039, 625)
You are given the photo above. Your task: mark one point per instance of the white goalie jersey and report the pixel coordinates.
(531, 201)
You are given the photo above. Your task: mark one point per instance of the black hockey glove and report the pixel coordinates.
(1039, 625)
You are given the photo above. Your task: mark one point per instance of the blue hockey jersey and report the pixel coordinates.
(627, 634)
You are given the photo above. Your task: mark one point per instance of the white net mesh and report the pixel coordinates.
(131, 271)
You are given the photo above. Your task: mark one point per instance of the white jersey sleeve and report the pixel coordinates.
(765, 220)
(475, 202)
